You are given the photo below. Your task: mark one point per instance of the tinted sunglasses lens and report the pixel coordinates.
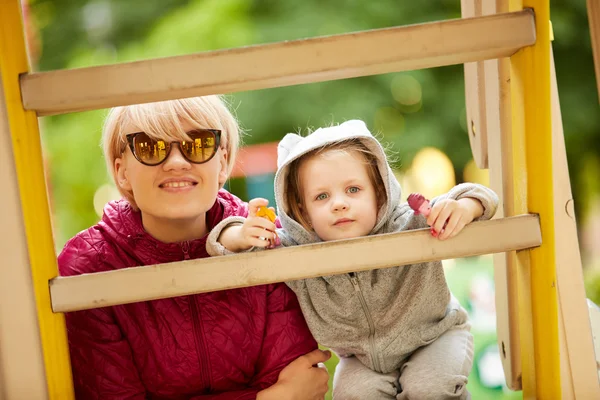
(201, 148)
(148, 150)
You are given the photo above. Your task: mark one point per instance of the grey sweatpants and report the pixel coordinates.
(436, 371)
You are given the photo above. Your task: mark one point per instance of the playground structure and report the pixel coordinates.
(515, 129)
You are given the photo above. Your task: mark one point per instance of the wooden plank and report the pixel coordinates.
(517, 203)
(22, 374)
(475, 97)
(566, 377)
(583, 380)
(257, 268)
(533, 63)
(594, 313)
(279, 64)
(497, 76)
(593, 10)
(20, 134)
(498, 118)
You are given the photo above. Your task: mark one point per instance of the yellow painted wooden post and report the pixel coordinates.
(530, 69)
(27, 152)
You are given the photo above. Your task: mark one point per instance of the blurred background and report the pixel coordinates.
(420, 115)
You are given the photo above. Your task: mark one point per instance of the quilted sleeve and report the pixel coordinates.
(286, 338)
(101, 358)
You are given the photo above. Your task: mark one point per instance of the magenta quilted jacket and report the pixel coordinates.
(221, 345)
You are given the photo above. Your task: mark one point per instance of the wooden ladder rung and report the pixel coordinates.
(279, 64)
(256, 268)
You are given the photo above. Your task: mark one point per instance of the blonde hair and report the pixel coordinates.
(165, 120)
(294, 189)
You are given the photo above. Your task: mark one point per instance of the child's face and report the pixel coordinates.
(338, 195)
(175, 190)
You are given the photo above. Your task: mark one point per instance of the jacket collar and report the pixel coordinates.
(122, 225)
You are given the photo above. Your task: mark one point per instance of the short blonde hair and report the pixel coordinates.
(164, 120)
(294, 190)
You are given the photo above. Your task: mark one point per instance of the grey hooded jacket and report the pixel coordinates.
(380, 316)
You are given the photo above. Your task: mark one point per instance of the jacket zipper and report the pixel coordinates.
(185, 247)
(200, 346)
(374, 358)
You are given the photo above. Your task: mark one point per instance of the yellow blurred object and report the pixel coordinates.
(267, 213)
(431, 172)
(474, 174)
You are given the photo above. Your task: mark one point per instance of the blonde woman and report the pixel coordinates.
(170, 160)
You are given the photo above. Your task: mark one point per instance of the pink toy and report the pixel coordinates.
(421, 205)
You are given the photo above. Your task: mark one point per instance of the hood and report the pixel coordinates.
(294, 146)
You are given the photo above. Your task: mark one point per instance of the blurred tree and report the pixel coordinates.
(70, 26)
(409, 110)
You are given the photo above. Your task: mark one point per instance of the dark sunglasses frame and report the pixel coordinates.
(169, 145)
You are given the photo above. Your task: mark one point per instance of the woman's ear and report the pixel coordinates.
(223, 173)
(121, 174)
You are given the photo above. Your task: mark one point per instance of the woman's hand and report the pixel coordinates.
(449, 217)
(254, 232)
(305, 378)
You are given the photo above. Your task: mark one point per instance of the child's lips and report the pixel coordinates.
(343, 221)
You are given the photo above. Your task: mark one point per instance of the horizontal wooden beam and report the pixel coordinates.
(217, 273)
(279, 64)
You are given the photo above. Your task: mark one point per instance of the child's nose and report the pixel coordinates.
(340, 204)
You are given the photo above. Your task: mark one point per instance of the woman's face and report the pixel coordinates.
(176, 191)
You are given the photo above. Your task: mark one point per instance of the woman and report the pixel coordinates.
(170, 160)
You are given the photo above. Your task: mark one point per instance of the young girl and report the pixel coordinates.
(398, 331)
(170, 160)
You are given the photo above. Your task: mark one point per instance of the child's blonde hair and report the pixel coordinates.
(294, 189)
(165, 120)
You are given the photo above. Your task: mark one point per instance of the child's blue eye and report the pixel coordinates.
(353, 189)
(322, 196)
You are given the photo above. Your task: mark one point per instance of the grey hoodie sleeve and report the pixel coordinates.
(487, 197)
(213, 246)
(403, 217)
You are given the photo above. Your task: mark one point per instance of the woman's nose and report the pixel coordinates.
(176, 160)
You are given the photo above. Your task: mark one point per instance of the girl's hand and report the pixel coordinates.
(305, 378)
(255, 231)
(258, 231)
(449, 217)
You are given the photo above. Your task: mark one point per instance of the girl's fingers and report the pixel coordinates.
(435, 210)
(255, 232)
(459, 227)
(257, 242)
(442, 217)
(254, 204)
(450, 226)
(259, 222)
(260, 238)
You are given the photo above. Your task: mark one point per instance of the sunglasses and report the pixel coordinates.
(201, 148)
